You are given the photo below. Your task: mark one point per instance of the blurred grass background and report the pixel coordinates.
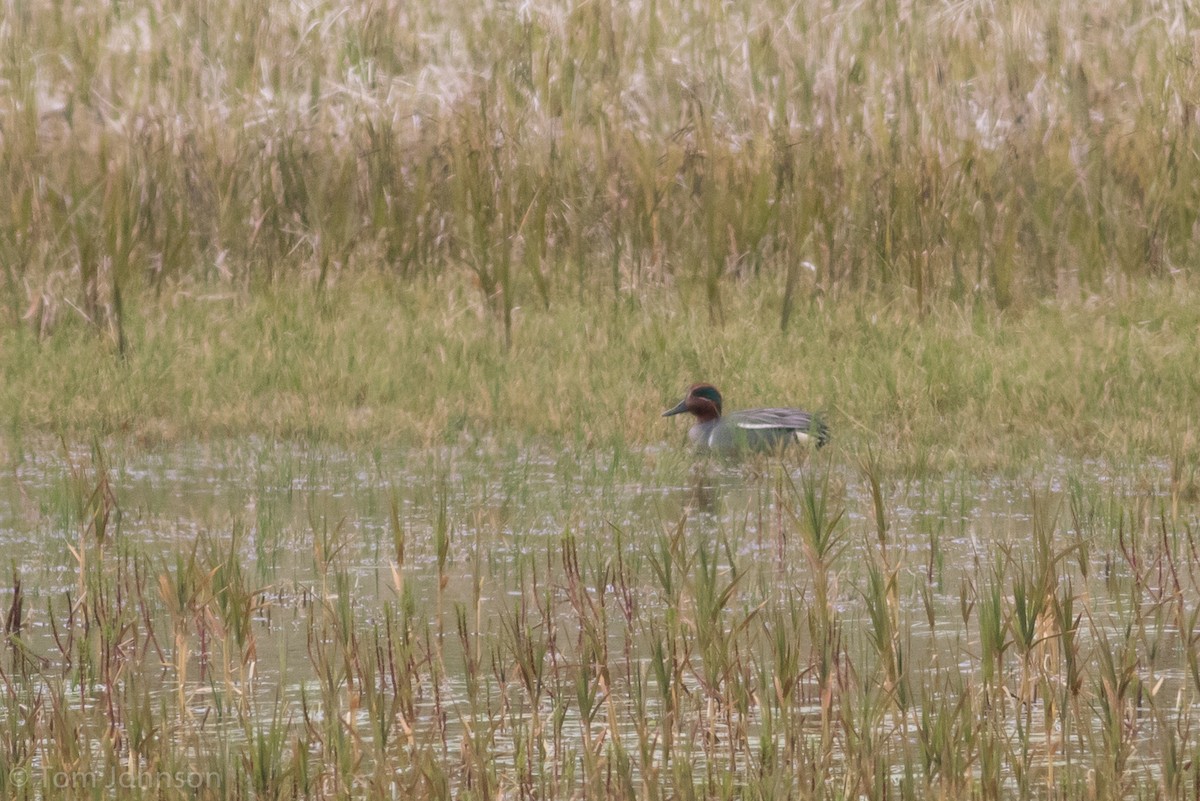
(962, 228)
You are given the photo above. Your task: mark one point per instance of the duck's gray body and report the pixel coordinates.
(748, 430)
(758, 430)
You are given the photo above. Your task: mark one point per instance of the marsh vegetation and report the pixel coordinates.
(276, 621)
(334, 339)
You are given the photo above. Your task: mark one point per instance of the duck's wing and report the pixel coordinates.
(769, 428)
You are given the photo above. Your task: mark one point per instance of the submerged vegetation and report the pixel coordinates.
(246, 620)
(369, 311)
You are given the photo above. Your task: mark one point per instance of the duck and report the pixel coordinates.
(748, 430)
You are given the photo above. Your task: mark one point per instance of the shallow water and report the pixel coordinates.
(557, 561)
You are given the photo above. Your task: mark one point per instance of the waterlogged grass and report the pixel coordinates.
(248, 619)
(370, 362)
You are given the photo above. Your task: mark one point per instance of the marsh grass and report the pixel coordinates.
(930, 151)
(966, 233)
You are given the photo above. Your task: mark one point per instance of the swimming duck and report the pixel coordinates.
(746, 430)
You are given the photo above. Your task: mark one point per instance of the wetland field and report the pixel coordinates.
(335, 338)
(246, 618)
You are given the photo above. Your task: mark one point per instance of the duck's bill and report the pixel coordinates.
(680, 409)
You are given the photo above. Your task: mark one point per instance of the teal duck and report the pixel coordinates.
(746, 430)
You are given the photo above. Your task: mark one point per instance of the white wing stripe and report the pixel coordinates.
(764, 426)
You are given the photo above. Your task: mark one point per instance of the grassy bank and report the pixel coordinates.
(377, 360)
(962, 231)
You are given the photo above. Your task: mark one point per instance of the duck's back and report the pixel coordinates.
(760, 430)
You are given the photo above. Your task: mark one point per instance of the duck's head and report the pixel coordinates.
(702, 400)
